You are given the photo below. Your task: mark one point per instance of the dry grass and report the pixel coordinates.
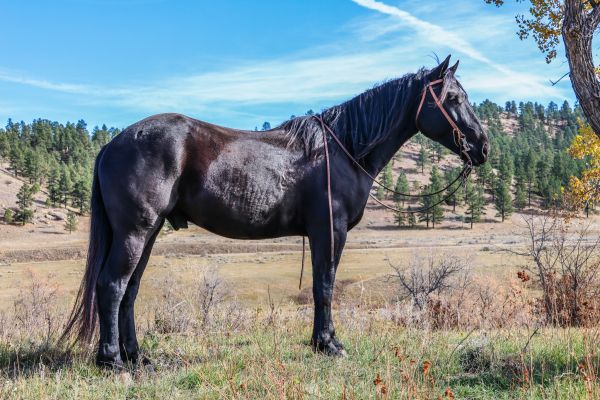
(227, 350)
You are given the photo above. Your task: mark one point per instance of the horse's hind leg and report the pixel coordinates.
(125, 253)
(128, 344)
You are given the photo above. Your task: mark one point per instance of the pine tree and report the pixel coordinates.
(438, 151)
(100, 136)
(16, 160)
(412, 222)
(520, 192)
(71, 222)
(475, 202)
(422, 160)
(449, 176)
(32, 166)
(493, 184)
(484, 175)
(503, 201)
(65, 185)
(380, 194)
(529, 169)
(81, 195)
(53, 187)
(24, 202)
(435, 185)
(387, 178)
(425, 214)
(401, 187)
(505, 167)
(399, 216)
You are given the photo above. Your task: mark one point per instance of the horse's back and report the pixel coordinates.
(234, 183)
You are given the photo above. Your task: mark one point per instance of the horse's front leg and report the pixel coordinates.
(323, 337)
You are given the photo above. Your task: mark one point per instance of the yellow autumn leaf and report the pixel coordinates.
(585, 146)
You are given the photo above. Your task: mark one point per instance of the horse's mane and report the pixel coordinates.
(362, 122)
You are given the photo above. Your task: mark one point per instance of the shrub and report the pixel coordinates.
(9, 216)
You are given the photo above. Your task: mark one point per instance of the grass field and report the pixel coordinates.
(269, 358)
(255, 344)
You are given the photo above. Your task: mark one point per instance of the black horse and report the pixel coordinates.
(250, 185)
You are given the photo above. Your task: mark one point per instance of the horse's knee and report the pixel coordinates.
(110, 286)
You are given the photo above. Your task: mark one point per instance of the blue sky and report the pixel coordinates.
(239, 63)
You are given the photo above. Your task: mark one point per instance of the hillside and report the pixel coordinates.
(59, 158)
(485, 337)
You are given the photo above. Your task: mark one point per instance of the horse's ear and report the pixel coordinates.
(453, 68)
(439, 71)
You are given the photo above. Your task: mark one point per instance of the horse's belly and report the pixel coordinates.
(248, 192)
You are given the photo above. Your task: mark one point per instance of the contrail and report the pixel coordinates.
(439, 35)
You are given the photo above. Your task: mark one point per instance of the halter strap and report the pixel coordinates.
(459, 137)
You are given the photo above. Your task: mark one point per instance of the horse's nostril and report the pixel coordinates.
(484, 150)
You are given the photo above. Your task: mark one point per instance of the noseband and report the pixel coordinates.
(459, 138)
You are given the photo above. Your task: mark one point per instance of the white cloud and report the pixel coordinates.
(441, 36)
(43, 84)
(383, 45)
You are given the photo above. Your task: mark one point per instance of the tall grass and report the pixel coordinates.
(223, 350)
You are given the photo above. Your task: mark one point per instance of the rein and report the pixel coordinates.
(459, 139)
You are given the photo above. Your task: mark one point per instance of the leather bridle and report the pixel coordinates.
(459, 138)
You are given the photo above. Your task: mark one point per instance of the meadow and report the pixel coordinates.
(482, 340)
(226, 319)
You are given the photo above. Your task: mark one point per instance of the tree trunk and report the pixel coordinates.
(578, 31)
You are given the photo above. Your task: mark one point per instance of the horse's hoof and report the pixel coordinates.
(110, 365)
(148, 366)
(114, 366)
(334, 351)
(331, 348)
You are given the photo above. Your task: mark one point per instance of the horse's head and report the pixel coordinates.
(446, 116)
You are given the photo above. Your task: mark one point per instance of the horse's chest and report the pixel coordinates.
(251, 178)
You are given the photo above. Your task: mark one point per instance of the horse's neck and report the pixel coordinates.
(398, 133)
(381, 154)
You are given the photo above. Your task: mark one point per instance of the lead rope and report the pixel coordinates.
(330, 206)
(422, 210)
(359, 165)
(459, 139)
(328, 191)
(303, 255)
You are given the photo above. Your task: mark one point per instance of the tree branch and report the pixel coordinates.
(559, 79)
(593, 18)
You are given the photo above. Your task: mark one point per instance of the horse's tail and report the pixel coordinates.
(82, 321)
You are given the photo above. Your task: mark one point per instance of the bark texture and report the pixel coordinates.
(578, 30)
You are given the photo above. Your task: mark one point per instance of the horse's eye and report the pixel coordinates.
(452, 97)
